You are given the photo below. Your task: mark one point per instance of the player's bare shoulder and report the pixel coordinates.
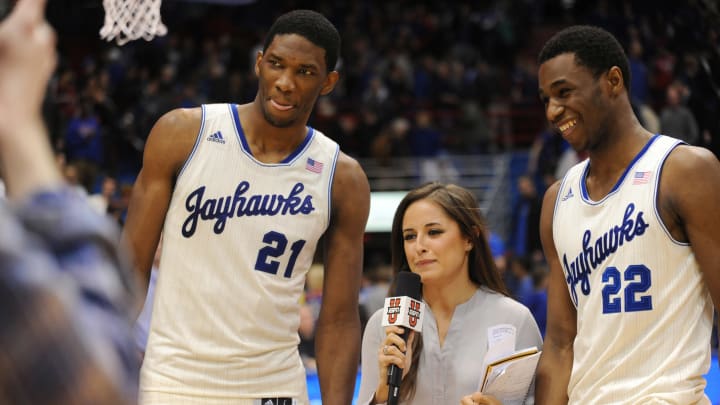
(689, 183)
(178, 126)
(350, 185)
(173, 136)
(551, 194)
(689, 168)
(546, 217)
(549, 200)
(685, 159)
(349, 175)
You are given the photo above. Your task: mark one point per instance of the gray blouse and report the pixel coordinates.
(448, 373)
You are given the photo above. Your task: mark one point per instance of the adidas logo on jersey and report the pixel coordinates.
(216, 137)
(568, 196)
(276, 401)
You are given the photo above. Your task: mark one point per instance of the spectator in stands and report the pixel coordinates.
(391, 142)
(64, 293)
(676, 119)
(474, 130)
(376, 284)
(306, 331)
(101, 200)
(424, 137)
(638, 73)
(530, 288)
(538, 303)
(376, 96)
(544, 156)
(83, 139)
(71, 172)
(639, 84)
(521, 269)
(369, 127)
(701, 76)
(144, 79)
(524, 239)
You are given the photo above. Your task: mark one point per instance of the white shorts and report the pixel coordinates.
(163, 398)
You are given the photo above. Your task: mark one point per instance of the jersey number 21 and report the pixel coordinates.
(276, 243)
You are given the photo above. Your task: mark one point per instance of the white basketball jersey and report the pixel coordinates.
(644, 315)
(238, 240)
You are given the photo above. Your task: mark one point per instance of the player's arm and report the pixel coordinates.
(169, 144)
(691, 182)
(553, 373)
(337, 337)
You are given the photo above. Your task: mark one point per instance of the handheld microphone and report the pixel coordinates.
(406, 310)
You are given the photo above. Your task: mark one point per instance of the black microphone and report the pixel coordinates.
(405, 309)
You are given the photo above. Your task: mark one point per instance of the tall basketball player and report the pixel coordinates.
(242, 195)
(631, 236)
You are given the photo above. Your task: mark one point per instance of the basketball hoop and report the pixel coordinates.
(128, 20)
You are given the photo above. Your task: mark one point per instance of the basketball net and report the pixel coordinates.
(128, 20)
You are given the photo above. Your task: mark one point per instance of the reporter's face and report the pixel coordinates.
(434, 246)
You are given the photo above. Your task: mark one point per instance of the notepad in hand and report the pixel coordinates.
(508, 378)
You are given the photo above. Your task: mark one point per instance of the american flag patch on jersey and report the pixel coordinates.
(313, 165)
(641, 178)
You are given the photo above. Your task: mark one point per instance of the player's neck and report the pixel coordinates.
(623, 142)
(608, 164)
(269, 143)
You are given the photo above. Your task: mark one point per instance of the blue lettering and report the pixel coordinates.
(593, 254)
(240, 204)
(192, 204)
(271, 205)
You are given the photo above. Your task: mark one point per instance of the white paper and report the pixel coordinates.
(511, 381)
(501, 342)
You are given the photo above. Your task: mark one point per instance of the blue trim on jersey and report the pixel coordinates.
(246, 147)
(661, 166)
(330, 181)
(616, 187)
(239, 129)
(198, 138)
(301, 148)
(561, 192)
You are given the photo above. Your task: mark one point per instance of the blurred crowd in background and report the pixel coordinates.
(418, 79)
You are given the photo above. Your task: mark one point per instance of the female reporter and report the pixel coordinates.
(439, 233)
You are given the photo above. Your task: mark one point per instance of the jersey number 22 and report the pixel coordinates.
(639, 282)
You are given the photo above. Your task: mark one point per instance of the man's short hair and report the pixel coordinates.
(593, 47)
(311, 25)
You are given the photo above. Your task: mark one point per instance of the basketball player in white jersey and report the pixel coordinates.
(242, 195)
(631, 236)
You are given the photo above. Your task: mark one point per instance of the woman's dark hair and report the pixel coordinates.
(462, 206)
(311, 25)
